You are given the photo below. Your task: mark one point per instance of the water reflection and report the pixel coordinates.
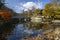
(33, 25)
(5, 29)
(23, 30)
(18, 32)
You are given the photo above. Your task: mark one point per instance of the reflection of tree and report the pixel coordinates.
(28, 24)
(5, 30)
(33, 25)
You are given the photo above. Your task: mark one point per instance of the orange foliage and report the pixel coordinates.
(5, 14)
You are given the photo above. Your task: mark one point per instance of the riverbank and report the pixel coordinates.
(51, 34)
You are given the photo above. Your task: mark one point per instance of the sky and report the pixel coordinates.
(19, 5)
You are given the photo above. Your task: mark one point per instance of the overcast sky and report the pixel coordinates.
(19, 5)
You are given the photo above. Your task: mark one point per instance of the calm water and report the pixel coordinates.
(20, 30)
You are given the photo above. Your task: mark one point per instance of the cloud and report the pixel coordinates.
(19, 5)
(29, 5)
(26, 6)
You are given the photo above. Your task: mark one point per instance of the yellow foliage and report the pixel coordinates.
(47, 6)
(48, 9)
(37, 12)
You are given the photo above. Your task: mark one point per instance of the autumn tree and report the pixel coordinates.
(37, 12)
(48, 9)
(52, 9)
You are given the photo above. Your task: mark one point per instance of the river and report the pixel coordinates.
(21, 30)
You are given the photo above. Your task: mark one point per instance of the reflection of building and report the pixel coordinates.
(33, 25)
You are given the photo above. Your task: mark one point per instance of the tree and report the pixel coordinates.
(47, 9)
(52, 9)
(37, 12)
